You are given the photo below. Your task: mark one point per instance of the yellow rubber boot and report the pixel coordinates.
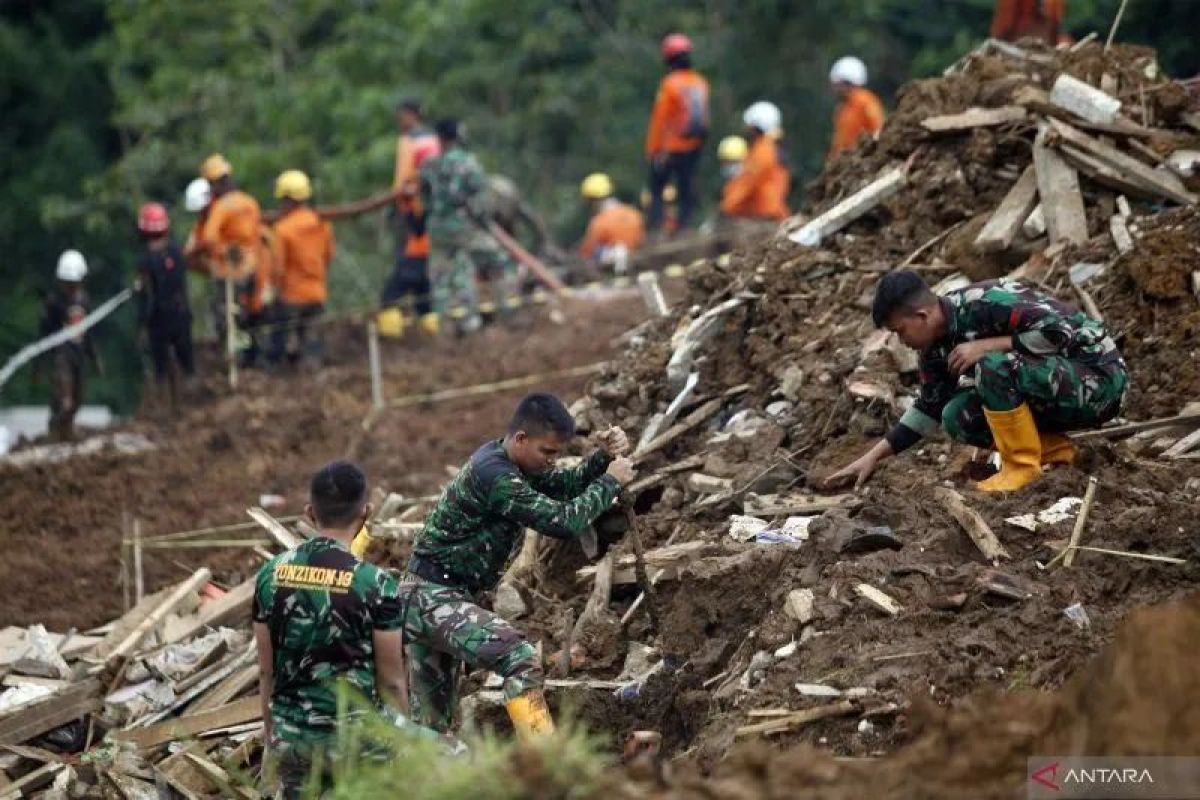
(1057, 449)
(1020, 449)
(390, 322)
(530, 716)
(430, 323)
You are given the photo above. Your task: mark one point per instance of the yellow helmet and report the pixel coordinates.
(732, 148)
(294, 185)
(215, 167)
(597, 186)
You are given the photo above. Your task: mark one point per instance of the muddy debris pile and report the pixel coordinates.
(781, 611)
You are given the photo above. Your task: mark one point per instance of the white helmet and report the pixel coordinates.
(762, 115)
(849, 69)
(72, 266)
(197, 195)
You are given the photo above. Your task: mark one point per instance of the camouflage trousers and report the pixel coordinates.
(464, 264)
(1062, 393)
(446, 629)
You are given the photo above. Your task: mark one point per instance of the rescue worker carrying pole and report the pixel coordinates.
(616, 228)
(759, 190)
(305, 246)
(1039, 368)
(64, 306)
(677, 131)
(859, 112)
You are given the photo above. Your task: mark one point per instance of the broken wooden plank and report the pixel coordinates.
(275, 529)
(1137, 427)
(790, 722)
(220, 778)
(974, 117)
(1081, 521)
(788, 507)
(1088, 302)
(1163, 183)
(1002, 227)
(973, 524)
(27, 721)
(1184, 445)
(686, 424)
(856, 205)
(231, 609)
(26, 785)
(228, 689)
(176, 598)
(878, 599)
(248, 709)
(597, 602)
(659, 558)
(1105, 174)
(683, 465)
(1058, 188)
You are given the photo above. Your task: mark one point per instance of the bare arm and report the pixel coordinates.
(861, 468)
(266, 677)
(390, 678)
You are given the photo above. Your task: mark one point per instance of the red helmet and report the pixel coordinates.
(675, 44)
(152, 218)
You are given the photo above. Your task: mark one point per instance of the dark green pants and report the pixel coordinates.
(446, 629)
(1063, 394)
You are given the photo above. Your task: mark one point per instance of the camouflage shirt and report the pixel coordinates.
(1039, 325)
(477, 525)
(454, 191)
(321, 605)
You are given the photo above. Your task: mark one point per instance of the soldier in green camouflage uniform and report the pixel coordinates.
(468, 541)
(991, 354)
(324, 619)
(455, 193)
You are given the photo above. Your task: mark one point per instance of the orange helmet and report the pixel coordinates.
(152, 218)
(675, 44)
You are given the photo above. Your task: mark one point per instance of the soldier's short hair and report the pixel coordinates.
(447, 129)
(411, 104)
(338, 493)
(904, 290)
(541, 413)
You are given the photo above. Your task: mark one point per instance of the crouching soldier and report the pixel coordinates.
(1039, 369)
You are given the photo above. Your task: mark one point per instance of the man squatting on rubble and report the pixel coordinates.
(470, 537)
(1039, 369)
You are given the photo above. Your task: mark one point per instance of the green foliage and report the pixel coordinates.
(112, 102)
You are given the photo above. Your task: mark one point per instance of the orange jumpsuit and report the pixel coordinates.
(861, 112)
(679, 120)
(305, 243)
(615, 223)
(231, 235)
(760, 190)
(1018, 19)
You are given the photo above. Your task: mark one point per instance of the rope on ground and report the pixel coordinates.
(34, 350)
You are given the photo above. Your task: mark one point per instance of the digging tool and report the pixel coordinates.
(639, 567)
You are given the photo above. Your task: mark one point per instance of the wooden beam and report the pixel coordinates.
(28, 784)
(30, 720)
(881, 600)
(974, 117)
(247, 709)
(973, 524)
(686, 424)
(841, 708)
(1058, 187)
(1004, 224)
(228, 689)
(177, 597)
(1164, 183)
(231, 609)
(660, 558)
(856, 205)
(1089, 497)
(275, 529)
(1137, 427)
(1106, 175)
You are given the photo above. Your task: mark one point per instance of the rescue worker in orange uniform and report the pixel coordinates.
(1018, 19)
(678, 128)
(760, 188)
(860, 111)
(305, 245)
(233, 244)
(615, 230)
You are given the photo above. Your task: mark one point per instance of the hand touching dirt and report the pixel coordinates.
(622, 469)
(860, 469)
(613, 441)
